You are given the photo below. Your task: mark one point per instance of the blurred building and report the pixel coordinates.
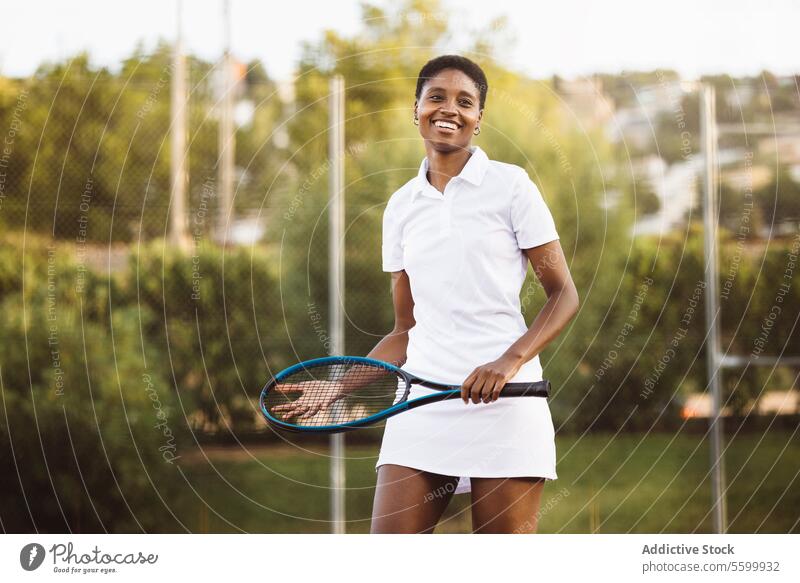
(742, 178)
(677, 190)
(786, 148)
(637, 124)
(585, 99)
(770, 403)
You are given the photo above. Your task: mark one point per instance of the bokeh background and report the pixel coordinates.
(133, 346)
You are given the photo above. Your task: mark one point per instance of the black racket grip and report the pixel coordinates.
(537, 389)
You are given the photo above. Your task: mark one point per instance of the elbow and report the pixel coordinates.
(575, 301)
(403, 327)
(568, 297)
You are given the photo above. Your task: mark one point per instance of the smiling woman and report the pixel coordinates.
(457, 240)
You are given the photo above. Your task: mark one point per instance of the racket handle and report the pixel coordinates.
(534, 389)
(537, 389)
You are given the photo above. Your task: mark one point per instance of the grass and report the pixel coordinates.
(609, 484)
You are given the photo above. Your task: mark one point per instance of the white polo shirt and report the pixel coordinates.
(462, 251)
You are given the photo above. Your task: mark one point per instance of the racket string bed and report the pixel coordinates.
(332, 394)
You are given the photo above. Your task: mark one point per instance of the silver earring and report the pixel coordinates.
(476, 131)
(416, 120)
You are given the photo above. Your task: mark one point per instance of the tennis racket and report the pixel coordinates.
(339, 393)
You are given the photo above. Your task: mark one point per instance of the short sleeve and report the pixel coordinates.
(531, 220)
(392, 248)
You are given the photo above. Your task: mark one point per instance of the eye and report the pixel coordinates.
(435, 97)
(466, 102)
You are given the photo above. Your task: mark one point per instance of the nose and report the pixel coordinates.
(448, 106)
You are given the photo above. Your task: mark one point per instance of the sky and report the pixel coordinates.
(565, 37)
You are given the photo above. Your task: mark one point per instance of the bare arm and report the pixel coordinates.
(550, 266)
(392, 348)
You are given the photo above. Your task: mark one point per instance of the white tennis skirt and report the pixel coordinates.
(510, 437)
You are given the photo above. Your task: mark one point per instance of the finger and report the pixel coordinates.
(466, 386)
(297, 407)
(314, 409)
(488, 390)
(498, 388)
(288, 388)
(291, 412)
(284, 407)
(465, 389)
(477, 388)
(300, 412)
(307, 415)
(285, 412)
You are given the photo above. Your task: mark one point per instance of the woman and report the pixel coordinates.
(457, 240)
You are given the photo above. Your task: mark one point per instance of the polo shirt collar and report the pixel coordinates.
(473, 172)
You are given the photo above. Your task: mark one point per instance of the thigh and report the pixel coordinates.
(506, 505)
(408, 500)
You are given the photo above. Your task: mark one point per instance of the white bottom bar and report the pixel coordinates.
(373, 558)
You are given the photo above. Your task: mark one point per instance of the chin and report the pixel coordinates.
(445, 146)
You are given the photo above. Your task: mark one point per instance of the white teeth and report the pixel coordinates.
(445, 124)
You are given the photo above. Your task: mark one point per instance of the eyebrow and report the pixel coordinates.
(462, 92)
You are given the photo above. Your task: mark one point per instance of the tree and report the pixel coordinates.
(89, 434)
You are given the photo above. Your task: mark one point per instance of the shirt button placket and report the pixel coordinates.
(446, 209)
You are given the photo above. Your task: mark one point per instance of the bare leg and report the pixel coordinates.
(506, 505)
(409, 501)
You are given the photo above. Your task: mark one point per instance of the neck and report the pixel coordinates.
(442, 166)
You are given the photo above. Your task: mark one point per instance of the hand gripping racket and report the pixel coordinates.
(338, 393)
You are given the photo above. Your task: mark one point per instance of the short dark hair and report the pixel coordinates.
(463, 64)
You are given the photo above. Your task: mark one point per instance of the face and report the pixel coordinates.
(448, 110)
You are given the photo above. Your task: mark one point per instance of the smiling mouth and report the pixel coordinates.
(447, 126)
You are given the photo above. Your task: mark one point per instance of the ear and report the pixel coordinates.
(480, 116)
(416, 104)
